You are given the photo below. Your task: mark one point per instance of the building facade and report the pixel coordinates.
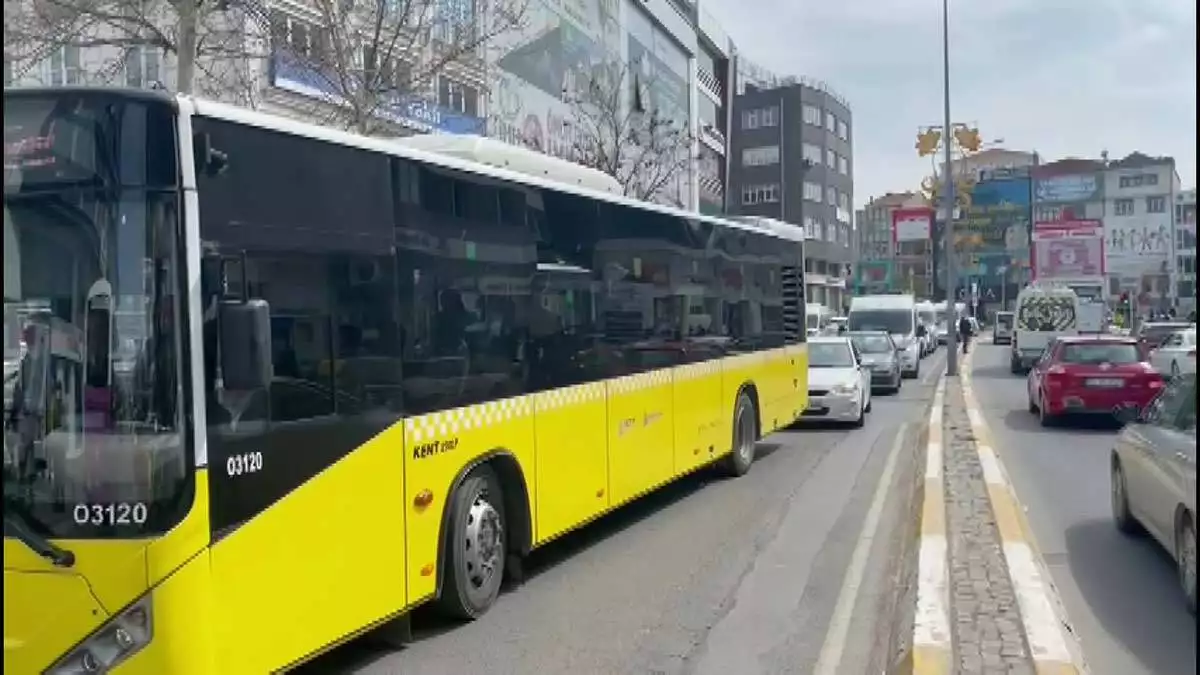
(791, 159)
(1185, 250)
(672, 50)
(1139, 241)
(1067, 241)
(879, 265)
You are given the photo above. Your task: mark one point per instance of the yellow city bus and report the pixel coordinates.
(334, 377)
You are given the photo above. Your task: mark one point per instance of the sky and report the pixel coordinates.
(1060, 77)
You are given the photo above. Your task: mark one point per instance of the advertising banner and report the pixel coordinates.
(912, 224)
(1136, 249)
(1068, 250)
(1067, 188)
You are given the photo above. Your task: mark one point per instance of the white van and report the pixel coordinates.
(1044, 311)
(896, 314)
(817, 318)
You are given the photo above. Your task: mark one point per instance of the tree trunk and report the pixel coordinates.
(185, 54)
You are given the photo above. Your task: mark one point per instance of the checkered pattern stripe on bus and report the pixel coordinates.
(454, 421)
(568, 396)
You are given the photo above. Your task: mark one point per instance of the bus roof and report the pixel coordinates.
(533, 177)
(882, 302)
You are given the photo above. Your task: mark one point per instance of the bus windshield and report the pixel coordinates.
(94, 426)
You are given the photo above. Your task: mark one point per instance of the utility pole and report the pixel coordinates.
(948, 198)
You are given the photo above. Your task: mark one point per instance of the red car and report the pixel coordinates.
(1098, 375)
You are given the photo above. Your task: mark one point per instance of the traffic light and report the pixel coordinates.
(928, 141)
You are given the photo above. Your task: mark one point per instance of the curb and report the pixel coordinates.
(1053, 645)
(931, 642)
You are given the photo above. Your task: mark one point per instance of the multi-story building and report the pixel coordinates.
(1068, 233)
(791, 159)
(1185, 250)
(288, 64)
(1139, 223)
(879, 266)
(673, 50)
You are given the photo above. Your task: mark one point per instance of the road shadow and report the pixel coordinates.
(427, 624)
(1026, 422)
(1130, 585)
(995, 373)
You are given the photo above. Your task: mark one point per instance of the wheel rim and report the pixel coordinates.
(482, 543)
(745, 434)
(1187, 560)
(1118, 493)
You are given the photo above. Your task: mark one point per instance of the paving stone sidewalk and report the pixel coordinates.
(988, 636)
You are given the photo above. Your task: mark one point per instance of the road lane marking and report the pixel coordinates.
(839, 626)
(1053, 648)
(931, 647)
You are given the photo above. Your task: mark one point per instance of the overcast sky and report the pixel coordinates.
(1062, 77)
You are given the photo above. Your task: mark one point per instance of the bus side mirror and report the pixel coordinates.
(246, 345)
(209, 161)
(921, 331)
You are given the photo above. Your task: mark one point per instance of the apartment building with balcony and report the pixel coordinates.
(1139, 228)
(792, 160)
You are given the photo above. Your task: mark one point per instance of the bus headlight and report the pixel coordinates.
(119, 638)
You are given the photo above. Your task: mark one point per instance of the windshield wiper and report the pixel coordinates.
(18, 526)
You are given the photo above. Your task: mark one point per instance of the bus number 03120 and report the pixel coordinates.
(122, 513)
(244, 463)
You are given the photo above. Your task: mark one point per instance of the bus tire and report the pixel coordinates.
(745, 436)
(475, 553)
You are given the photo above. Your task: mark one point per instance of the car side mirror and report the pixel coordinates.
(245, 343)
(921, 330)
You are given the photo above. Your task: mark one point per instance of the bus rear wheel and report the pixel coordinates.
(745, 436)
(476, 545)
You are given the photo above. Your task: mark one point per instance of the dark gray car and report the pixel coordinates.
(881, 355)
(1153, 481)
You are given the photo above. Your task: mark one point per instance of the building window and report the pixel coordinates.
(831, 196)
(459, 97)
(811, 152)
(810, 227)
(142, 66)
(300, 38)
(760, 194)
(843, 130)
(844, 201)
(812, 192)
(1138, 180)
(812, 115)
(1156, 204)
(831, 158)
(770, 116)
(763, 156)
(843, 166)
(750, 119)
(830, 122)
(1123, 207)
(64, 66)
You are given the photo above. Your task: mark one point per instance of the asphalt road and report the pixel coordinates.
(710, 575)
(1120, 594)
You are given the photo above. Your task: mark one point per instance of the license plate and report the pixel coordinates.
(1105, 382)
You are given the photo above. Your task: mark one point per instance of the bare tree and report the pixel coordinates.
(359, 59)
(620, 128)
(369, 56)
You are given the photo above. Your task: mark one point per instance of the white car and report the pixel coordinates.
(839, 385)
(1176, 354)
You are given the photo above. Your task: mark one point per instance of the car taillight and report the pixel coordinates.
(1154, 382)
(1056, 370)
(1055, 376)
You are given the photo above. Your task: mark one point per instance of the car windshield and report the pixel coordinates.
(894, 321)
(873, 344)
(1004, 320)
(1154, 334)
(94, 423)
(1115, 353)
(830, 355)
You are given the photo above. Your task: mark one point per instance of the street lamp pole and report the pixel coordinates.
(948, 199)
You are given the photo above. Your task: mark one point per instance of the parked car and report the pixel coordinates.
(839, 385)
(1090, 374)
(1153, 477)
(882, 356)
(1176, 354)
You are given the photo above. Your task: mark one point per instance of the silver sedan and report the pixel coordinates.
(1154, 476)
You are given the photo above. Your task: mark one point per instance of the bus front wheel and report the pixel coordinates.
(476, 546)
(745, 436)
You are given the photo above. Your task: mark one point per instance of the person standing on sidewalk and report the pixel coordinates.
(964, 332)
